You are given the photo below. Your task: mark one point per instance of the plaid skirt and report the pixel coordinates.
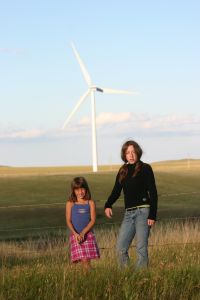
(87, 249)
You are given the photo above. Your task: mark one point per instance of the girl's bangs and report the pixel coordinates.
(79, 185)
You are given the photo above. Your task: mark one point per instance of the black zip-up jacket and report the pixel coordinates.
(138, 190)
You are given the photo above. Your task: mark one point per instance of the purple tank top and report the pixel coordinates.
(80, 216)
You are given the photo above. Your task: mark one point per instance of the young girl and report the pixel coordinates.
(80, 218)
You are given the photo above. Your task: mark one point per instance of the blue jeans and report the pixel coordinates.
(134, 224)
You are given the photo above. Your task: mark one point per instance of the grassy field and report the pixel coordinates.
(32, 200)
(40, 269)
(34, 248)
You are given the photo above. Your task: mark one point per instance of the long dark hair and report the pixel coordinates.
(79, 182)
(123, 171)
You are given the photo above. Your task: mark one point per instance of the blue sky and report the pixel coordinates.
(147, 46)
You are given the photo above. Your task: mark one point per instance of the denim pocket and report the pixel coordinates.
(128, 216)
(145, 211)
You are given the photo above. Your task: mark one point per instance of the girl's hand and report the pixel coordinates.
(77, 237)
(108, 212)
(150, 222)
(82, 236)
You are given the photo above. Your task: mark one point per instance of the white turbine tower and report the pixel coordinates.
(91, 91)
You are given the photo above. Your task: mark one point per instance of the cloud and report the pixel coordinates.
(111, 118)
(162, 124)
(173, 123)
(124, 123)
(22, 134)
(25, 135)
(167, 125)
(107, 118)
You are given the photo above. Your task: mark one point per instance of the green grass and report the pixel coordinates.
(57, 282)
(41, 269)
(37, 171)
(36, 198)
(34, 260)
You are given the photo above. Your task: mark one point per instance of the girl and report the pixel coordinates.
(80, 218)
(136, 179)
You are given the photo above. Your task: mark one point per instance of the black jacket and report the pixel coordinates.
(138, 190)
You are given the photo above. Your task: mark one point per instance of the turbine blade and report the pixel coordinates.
(82, 66)
(76, 108)
(112, 91)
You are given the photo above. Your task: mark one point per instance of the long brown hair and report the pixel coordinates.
(123, 171)
(79, 182)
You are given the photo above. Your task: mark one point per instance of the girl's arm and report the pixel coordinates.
(113, 197)
(92, 218)
(116, 191)
(68, 220)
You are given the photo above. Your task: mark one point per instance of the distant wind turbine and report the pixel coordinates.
(91, 91)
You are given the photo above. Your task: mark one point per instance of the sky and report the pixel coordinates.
(151, 47)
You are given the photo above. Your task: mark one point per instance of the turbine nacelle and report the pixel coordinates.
(96, 89)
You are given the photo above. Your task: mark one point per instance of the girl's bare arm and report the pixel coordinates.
(68, 217)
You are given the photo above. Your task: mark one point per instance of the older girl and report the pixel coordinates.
(136, 179)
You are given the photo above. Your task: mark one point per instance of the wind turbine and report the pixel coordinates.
(91, 91)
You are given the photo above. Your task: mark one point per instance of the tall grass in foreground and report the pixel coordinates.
(41, 269)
